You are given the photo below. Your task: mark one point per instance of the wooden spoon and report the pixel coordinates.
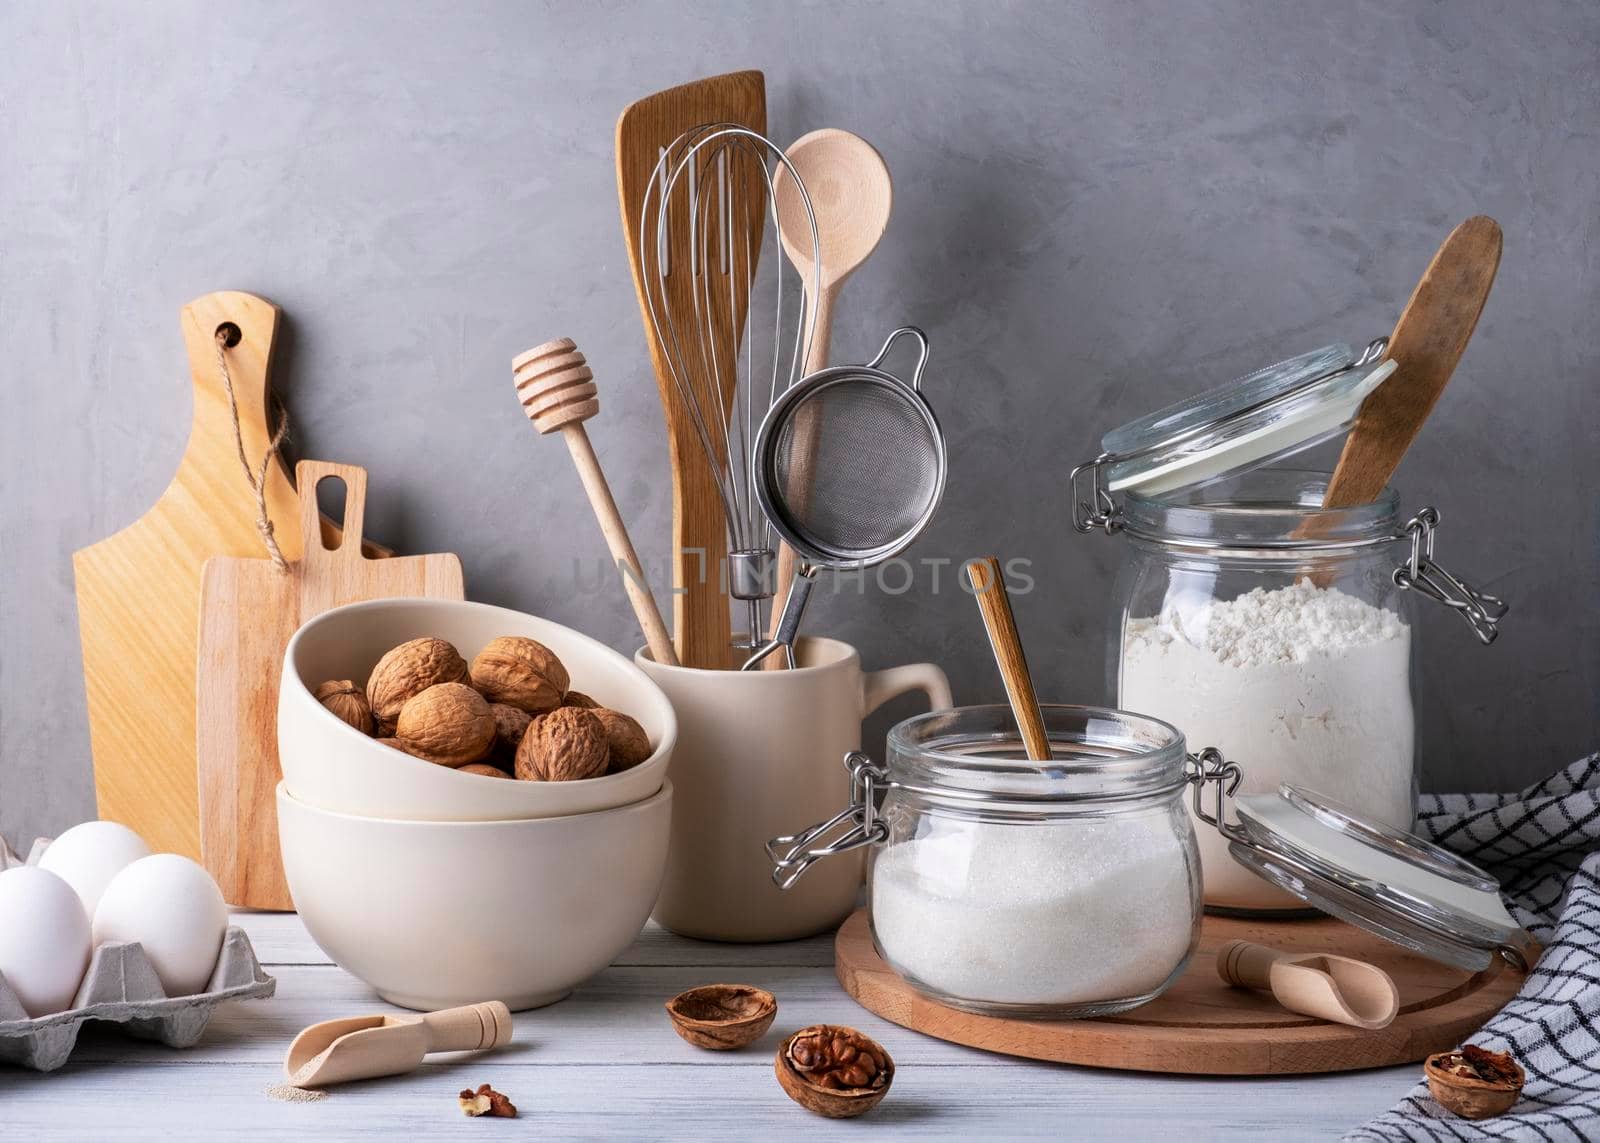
(1428, 341)
(989, 586)
(365, 1047)
(851, 198)
(1335, 988)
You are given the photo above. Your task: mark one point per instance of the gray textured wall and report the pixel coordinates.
(1100, 206)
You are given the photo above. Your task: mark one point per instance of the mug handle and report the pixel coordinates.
(878, 687)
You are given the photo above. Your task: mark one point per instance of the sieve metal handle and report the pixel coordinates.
(922, 353)
(805, 577)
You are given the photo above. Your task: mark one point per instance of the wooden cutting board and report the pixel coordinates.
(138, 589)
(701, 626)
(249, 609)
(1202, 1026)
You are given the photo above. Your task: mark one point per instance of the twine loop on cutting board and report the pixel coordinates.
(227, 336)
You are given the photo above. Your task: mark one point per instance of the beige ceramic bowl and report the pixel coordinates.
(332, 766)
(437, 914)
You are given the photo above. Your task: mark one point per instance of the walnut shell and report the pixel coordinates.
(579, 699)
(1473, 1082)
(348, 702)
(510, 724)
(834, 1071)
(722, 1017)
(448, 723)
(520, 672)
(483, 769)
(565, 745)
(407, 671)
(630, 745)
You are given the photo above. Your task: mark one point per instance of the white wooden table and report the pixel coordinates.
(605, 1064)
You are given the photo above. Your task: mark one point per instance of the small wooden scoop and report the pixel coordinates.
(989, 588)
(365, 1047)
(1334, 988)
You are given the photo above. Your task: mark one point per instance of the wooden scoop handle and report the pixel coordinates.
(468, 1028)
(1247, 965)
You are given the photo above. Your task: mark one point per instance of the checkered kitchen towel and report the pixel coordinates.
(1544, 846)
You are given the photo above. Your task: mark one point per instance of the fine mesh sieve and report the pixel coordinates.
(849, 467)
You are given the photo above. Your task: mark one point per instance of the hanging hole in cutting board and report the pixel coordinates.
(230, 334)
(331, 495)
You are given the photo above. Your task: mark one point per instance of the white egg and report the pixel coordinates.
(172, 907)
(44, 939)
(88, 856)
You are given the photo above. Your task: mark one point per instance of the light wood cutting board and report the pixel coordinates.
(137, 590)
(248, 612)
(1202, 1026)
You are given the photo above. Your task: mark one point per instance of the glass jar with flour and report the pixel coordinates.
(1258, 621)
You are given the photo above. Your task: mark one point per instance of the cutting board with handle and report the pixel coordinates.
(137, 589)
(249, 609)
(701, 626)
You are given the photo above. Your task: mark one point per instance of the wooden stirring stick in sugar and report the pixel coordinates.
(557, 391)
(989, 586)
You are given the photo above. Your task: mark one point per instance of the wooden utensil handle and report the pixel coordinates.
(308, 474)
(617, 539)
(1247, 965)
(988, 585)
(468, 1028)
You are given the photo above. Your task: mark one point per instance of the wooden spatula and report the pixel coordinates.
(137, 619)
(1428, 341)
(366, 1047)
(1335, 988)
(701, 625)
(989, 587)
(248, 611)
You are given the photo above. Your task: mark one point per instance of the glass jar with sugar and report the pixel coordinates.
(1051, 889)
(1255, 619)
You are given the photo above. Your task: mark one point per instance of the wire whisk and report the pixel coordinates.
(734, 338)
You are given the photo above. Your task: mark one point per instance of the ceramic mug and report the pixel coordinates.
(758, 755)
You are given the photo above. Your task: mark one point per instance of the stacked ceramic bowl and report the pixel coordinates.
(441, 888)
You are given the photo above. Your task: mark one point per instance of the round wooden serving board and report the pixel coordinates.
(1203, 1026)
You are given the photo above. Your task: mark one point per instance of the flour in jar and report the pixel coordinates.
(1300, 684)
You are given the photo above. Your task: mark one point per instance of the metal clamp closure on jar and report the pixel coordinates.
(854, 826)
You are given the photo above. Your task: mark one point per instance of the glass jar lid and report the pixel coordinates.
(1267, 415)
(1390, 882)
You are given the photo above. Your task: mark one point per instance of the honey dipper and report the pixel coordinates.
(1335, 988)
(557, 391)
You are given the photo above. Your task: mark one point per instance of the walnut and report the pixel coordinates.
(629, 744)
(406, 672)
(520, 672)
(1474, 1082)
(510, 724)
(834, 1071)
(483, 769)
(565, 745)
(348, 702)
(448, 723)
(578, 698)
(486, 1101)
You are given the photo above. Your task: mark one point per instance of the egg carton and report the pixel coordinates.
(121, 987)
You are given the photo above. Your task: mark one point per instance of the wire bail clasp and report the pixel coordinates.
(1481, 610)
(1097, 509)
(1209, 769)
(857, 825)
